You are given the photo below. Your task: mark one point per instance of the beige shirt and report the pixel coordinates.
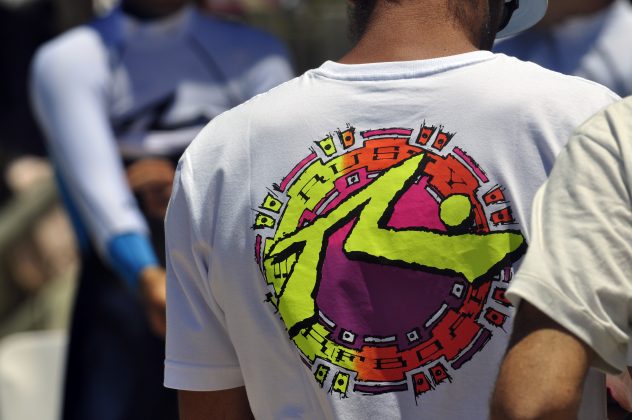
(579, 266)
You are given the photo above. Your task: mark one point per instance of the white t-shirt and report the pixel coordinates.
(123, 87)
(341, 245)
(596, 47)
(579, 266)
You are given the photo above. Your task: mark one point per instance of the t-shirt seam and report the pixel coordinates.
(190, 365)
(558, 75)
(381, 77)
(563, 298)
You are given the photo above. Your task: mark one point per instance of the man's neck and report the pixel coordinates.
(404, 32)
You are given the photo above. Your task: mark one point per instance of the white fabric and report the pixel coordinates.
(122, 87)
(580, 260)
(528, 14)
(31, 375)
(401, 280)
(596, 47)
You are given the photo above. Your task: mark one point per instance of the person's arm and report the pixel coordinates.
(543, 372)
(573, 289)
(230, 404)
(69, 86)
(132, 257)
(619, 394)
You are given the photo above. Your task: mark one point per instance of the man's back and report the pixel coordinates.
(343, 243)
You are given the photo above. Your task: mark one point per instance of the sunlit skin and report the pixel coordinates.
(533, 386)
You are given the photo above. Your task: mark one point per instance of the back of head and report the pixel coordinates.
(482, 20)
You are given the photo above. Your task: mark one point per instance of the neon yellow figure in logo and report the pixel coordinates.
(470, 255)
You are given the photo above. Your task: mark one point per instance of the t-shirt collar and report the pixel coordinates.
(400, 69)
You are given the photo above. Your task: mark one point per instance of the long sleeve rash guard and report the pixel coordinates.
(119, 88)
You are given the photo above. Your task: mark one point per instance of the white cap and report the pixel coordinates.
(528, 14)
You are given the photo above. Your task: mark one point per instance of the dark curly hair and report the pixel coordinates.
(360, 12)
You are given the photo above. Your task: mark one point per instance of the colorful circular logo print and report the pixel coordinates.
(386, 254)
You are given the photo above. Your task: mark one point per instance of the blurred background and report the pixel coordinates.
(38, 259)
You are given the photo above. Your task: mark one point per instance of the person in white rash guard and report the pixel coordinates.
(587, 38)
(339, 247)
(119, 99)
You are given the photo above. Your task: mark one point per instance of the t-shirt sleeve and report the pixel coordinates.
(578, 269)
(199, 352)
